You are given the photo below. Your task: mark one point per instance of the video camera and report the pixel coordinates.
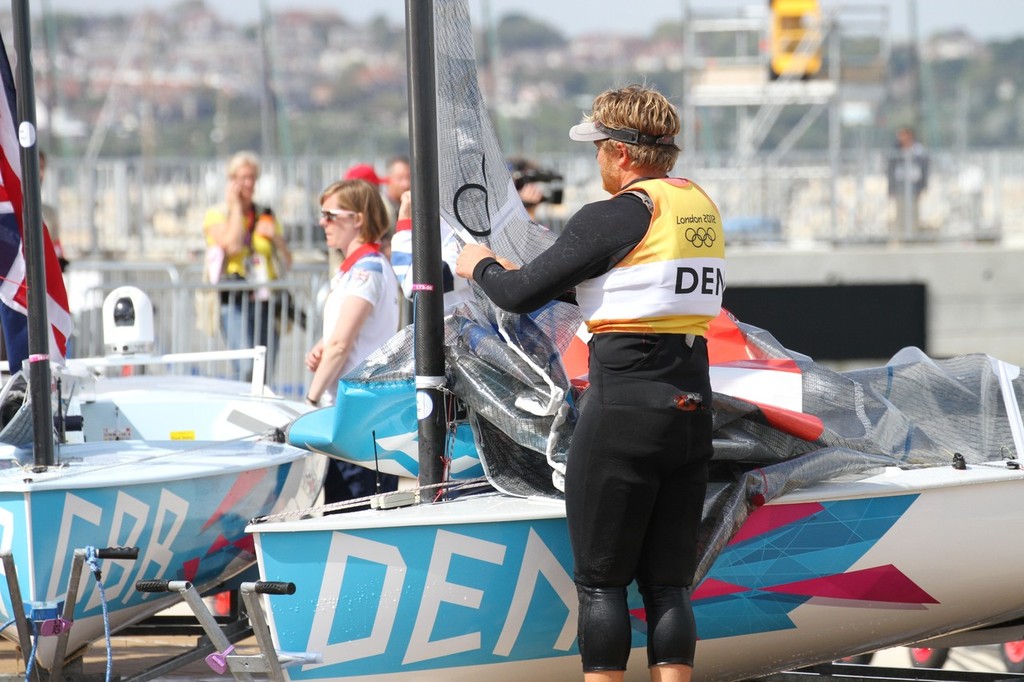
(523, 174)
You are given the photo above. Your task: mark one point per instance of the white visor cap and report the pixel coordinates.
(586, 132)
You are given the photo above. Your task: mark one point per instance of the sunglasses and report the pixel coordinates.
(332, 216)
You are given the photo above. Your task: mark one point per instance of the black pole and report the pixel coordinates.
(428, 330)
(32, 225)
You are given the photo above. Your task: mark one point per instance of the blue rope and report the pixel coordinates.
(94, 566)
(32, 657)
(7, 625)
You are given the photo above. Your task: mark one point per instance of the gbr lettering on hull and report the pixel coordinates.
(128, 522)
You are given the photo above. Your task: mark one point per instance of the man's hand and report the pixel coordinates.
(532, 194)
(470, 255)
(506, 263)
(405, 206)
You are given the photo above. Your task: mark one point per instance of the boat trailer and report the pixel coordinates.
(33, 621)
(53, 619)
(223, 658)
(218, 644)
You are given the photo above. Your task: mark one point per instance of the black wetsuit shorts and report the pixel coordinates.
(637, 465)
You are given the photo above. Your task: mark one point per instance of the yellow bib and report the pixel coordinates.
(672, 281)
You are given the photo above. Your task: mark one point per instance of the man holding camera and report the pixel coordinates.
(532, 184)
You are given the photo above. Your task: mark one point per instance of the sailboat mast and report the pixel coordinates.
(428, 333)
(32, 225)
(268, 99)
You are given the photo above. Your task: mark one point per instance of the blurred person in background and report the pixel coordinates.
(908, 179)
(51, 218)
(399, 181)
(245, 243)
(456, 290)
(535, 185)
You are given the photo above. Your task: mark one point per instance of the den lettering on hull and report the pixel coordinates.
(464, 595)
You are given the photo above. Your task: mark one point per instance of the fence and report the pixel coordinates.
(153, 209)
(182, 314)
(143, 208)
(138, 222)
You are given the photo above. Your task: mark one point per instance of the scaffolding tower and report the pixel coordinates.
(850, 42)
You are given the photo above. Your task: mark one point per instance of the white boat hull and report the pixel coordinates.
(174, 466)
(183, 504)
(482, 586)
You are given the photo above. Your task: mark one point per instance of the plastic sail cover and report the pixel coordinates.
(506, 368)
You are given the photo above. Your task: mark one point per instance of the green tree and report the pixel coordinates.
(385, 36)
(520, 32)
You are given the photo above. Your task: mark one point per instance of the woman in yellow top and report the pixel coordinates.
(251, 248)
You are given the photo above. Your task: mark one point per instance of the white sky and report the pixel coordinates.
(986, 19)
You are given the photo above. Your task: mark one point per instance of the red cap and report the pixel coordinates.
(364, 171)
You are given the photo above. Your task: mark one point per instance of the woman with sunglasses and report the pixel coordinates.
(360, 315)
(361, 311)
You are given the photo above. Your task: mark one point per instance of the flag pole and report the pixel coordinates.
(428, 332)
(32, 226)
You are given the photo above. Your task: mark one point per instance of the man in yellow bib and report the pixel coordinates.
(648, 269)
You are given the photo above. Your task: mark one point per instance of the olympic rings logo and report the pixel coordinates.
(701, 236)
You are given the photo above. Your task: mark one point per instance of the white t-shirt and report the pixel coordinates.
(368, 276)
(451, 246)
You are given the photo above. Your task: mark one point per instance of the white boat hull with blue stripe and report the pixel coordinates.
(481, 587)
(175, 466)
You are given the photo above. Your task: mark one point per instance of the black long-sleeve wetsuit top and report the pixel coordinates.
(594, 240)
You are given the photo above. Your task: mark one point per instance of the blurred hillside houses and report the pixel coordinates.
(187, 82)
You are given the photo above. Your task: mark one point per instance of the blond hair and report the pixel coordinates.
(643, 109)
(243, 159)
(361, 197)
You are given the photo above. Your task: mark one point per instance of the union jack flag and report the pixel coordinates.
(13, 286)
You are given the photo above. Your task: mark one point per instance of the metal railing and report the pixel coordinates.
(186, 315)
(153, 210)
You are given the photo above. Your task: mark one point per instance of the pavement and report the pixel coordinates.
(131, 657)
(134, 655)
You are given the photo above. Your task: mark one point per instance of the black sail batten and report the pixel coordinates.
(32, 225)
(428, 332)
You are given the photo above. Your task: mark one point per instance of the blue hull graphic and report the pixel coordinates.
(379, 425)
(185, 509)
(408, 598)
